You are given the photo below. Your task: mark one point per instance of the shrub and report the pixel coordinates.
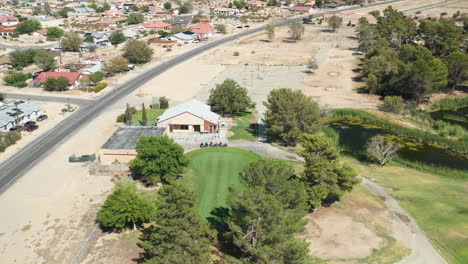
(56, 84)
(236, 53)
(99, 87)
(17, 79)
(393, 104)
(163, 102)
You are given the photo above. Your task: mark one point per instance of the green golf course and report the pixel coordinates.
(212, 171)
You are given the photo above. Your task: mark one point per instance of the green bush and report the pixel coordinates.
(17, 79)
(99, 87)
(8, 139)
(450, 103)
(163, 102)
(393, 104)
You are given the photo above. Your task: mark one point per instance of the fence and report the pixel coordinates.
(85, 247)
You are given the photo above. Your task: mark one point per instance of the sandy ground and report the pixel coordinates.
(54, 111)
(354, 228)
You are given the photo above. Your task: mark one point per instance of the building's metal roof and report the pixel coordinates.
(126, 137)
(8, 111)
(193, 107)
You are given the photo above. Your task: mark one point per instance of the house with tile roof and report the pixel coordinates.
(72, 77)
(6, 31)
(190, 117)
(8, 20)
(202, 30)
(158, 25)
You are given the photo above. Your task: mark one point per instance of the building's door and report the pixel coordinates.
(196, 128)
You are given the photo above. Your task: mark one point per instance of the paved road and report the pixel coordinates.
(23, 160)
(46, 98)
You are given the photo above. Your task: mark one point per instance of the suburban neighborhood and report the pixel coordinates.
(219, 132)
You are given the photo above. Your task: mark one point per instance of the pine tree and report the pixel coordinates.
(177, 236)
(266, 215)
(144, 118)
(325, 176)
(125, 208)
(128, 115)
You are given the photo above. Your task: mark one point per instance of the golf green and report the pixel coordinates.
(212, 171)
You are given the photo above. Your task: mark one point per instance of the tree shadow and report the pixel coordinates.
(218, 218)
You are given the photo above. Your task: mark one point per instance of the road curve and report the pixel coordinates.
(422, 251)
(14, 167)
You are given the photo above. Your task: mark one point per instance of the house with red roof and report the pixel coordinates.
(72, 77)
(158, 25)
(202, 30)
(6, 31)
(40, 33)
(8, 21)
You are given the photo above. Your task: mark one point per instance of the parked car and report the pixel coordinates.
(196, 41)
(30, 123)
(246, 26)
(32, 128)
(16, 128)
(42, 117)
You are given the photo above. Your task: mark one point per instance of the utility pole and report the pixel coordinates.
(60, 49)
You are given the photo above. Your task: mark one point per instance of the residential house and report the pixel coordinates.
(9, 21)
(256, 4)
(6, 32)
(121, 145)
(81, 12)
(17, 113)
(184, 37)
(334, 4)
(190, 117)
(226, 11)
(40, 33)
(99, 37)
(180, 21)
(203, 30)
(300, 9)
(130, 33)
(72, 77)
(114, 13)
(158, 25)
(110, 22)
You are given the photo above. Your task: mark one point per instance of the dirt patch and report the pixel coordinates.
(333, 235)
(354, 230)
(26, 228)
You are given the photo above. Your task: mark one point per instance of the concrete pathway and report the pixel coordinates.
(412, 236)
(265, 149)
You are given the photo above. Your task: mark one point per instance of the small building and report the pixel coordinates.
(256, 4)
(81, 12)
(6, 32)
(184, 37)
(8, 21)
(203, 30)
(226, 11)
(130, 33)
(114, 13)
(40, 33)
(71, 76)
(180, 21)
(190, 117)
(121, 145)
(17, 113)
(99, 37)
(300, 9)
(335, 4)
(158, 25)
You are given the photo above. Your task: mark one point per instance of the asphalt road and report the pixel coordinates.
(14, 167)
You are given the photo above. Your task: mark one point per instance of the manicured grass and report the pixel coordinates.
(212, 171)
(241, 129)
(151, 114)
(438, 204)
